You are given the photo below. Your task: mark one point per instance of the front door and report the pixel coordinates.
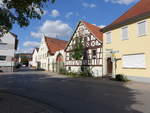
(109, 66)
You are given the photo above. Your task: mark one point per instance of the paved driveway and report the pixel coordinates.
(70, 95)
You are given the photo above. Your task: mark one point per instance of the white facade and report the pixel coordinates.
(34, 61)
(7, 52)
(46, 60)
(43, 55)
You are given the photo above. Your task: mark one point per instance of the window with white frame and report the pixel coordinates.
(108, 37)
(125, 33)
(142, 28)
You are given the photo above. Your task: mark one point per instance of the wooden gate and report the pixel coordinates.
(59, 63)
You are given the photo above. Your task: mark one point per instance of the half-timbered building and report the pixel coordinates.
(92, 39)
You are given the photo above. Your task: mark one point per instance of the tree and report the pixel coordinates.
(78, 49)
(20, 12)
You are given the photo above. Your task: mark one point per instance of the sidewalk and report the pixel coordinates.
(15, 104)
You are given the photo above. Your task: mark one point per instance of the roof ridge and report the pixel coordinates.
(133, 14)
(91, 24)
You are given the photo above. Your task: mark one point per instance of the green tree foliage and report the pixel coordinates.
(20, 12)
(78, 49)
(24, 60)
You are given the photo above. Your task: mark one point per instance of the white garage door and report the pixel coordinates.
(134, 61)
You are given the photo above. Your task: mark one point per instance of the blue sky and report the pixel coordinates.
(61, 18)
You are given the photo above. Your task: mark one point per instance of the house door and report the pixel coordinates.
(109, 66)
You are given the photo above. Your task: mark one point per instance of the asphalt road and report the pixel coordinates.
(72, 95)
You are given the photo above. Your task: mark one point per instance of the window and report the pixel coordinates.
(142, 28)
(94, 54)
(70, 56)
(134, 61)
(2, 58)
(125, 33)
(108, 37)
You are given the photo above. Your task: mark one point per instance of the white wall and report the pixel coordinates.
(35, 58)
(43, 54)
(7, 49)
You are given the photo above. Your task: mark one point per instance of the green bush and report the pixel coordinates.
(62, 71)
(121, 77)
(85, 72)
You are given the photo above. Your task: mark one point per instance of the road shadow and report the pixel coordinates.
(73, 95)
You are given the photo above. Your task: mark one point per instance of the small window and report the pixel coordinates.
(2, 58)
(70, 56)
(94, 54)
(108, 37)
(142, 28)
(125, 33)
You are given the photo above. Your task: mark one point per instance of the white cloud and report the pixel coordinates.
(55, 13)
(126, 2)
(53, 29)
(88, 5)
(30, 50)
(32, 44)
(101, 26)
(69, 14)
(36, 34)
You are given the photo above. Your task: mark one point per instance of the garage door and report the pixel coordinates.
(134, 61)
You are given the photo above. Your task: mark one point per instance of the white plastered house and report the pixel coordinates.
(51, 51)
(8, 46)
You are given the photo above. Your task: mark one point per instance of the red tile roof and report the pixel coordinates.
(139, 9)
(54, 44)
(94, 29)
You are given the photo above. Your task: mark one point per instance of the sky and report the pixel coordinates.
(61, 18)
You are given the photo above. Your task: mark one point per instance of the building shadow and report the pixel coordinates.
(73, 95)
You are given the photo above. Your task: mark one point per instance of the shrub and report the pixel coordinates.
(85, 72)
(62, 71)
(121, 77)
